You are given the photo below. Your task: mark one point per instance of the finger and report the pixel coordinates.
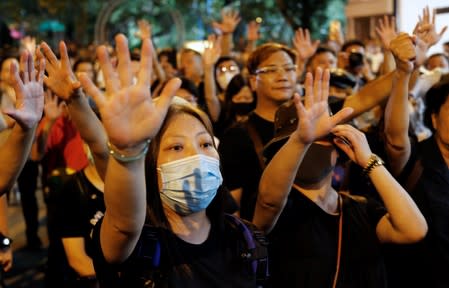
(341, 116)
(49, 55)
(300, 109)
(325, 85)
(434, 14)
(109, 74)
(393, 23)
(308, 86)
(7, 266)
(442, 31)
(30, 65)
(65, 61)
(23, 67)
(16, 81)
(92, 90)
(124, 61)
(146, 63)
(167, 94)
(317, 85)
(41, 72)
(307, 35)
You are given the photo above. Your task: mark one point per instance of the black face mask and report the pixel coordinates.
(243, 108)
(315, 166)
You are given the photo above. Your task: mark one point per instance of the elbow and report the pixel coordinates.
(417, 233)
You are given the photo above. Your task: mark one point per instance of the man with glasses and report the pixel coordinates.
(274, 80)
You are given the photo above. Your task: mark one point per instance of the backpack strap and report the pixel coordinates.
(257, 142)
(255, 248)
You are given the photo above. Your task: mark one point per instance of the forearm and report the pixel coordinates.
(125, 200)
(406, 219)
(91, 131)
(388, 65)
(397, 123)
(210, 93)
(370, 95)
(160, 73)
(4, 216)
(227, 44)
(14, 154)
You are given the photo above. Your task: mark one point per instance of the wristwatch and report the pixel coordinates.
(5, 242)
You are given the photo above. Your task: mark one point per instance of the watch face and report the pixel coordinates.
(5, 243)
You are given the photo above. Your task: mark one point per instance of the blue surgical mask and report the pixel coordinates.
(190, 184)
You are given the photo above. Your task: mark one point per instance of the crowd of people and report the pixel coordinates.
(304, 165)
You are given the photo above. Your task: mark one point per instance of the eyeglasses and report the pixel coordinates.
(231, 68)
(271, 70)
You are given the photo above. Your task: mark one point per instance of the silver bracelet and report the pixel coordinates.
(128, 158)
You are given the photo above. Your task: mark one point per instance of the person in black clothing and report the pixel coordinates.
(423, 169)
(176, 189)
(273, 80)
(80, 205)
(319, 237)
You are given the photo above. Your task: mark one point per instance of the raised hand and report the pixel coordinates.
(314, 119)
(304, 45)
(129, 115)
(355, 144)
(386, 29)
(213, 51)
(52, 108)
(144, 29)
(29, 43)
(29, 91)
(426, 28)
(404, 52)
(61, 79)
(252, 31)
(229, 21)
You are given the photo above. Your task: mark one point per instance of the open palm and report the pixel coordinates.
(314, 119)
(129, 114)
(29, 92)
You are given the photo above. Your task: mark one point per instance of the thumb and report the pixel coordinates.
(167, 94)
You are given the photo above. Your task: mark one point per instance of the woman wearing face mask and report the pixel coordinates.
(319, 237)
(176, 189)
(239, 101)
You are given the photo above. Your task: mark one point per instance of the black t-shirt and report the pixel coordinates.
(303, 245)
(425, 264)
(213, 263)
(240, 163)
(81, 205)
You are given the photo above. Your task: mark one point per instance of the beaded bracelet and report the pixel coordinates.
(127, 158)
(373, 162)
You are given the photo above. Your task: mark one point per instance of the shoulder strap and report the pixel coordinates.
(257, 141)
(255, 250)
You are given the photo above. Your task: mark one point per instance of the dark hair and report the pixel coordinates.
(170, 53)
(81, 60)
(189, 86)
(264, 51)
(435, 98)
(321, 50)
(155, 212)
(351, 43)
(436, 55)
(221, 60)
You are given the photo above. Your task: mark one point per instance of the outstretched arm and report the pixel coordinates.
(403, 223)
(62, 81)
(131, 119)
(27, 113)
(313, 122)
(397, 112)
(210, 57)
